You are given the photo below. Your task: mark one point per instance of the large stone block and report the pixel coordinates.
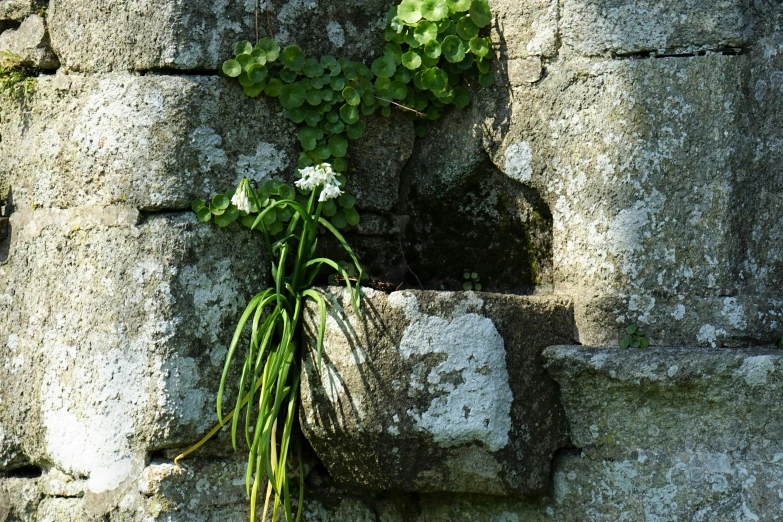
(645, 172)
(158, 142)
(671, 434)
(153, 142)
(436, 391)
(617, 27)
(29, 44)
(113, 327)
(109, 35)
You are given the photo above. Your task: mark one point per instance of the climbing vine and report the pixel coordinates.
(434, 50)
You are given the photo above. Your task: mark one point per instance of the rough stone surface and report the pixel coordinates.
(671, 434)
(436, 392)
(114, 350)
(153, 142)
(29, 44)
(18, 10)
(617, 27)
(199, 35)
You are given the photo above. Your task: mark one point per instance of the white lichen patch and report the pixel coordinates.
(472, 398)
(519, 162)
(335, 33)
(266, 162)
(755, 370)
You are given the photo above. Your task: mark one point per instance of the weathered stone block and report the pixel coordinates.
(29, 44)
(153, 142)
(616, 27)
(114, 350)
(436, 391)
(671, 434)
(158, 142)
(18, 10)
(185, 35)
(645, 195)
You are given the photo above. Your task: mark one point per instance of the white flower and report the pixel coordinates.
(244, 198)
(320, 176)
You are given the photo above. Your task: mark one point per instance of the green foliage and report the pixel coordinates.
(471, 281)
(435, 50)
(433, 47)
(634, 338)
(14, 74)
(268, 391)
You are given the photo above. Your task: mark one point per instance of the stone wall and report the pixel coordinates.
(624, 169)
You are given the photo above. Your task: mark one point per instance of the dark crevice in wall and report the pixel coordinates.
(9, 24)
(23, 472)
(643, 55)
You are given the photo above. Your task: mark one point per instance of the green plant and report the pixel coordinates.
(433, 48)
(14, 73)
(471, 281)
(289, 220)
(634, 338)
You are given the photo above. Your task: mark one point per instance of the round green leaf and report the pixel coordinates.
(349, 114)
(257, 73)
(312, 118)
(356, 130)
(432, 49)
(625, 342)
(458, 6)
(487, 80)
(338, 145)
(329, 209)
(313, 97)
(386, 111)
(484, 65)
(270, 217)
(350, 72)
(403, 75)
(220, 202)
(425, 32)
(273, 88)
(467, 286)
(394, 50)
(339, 220)
(466, 29)
(231, 68)
(294, 58)
(479, 46)
(259, 56)
(292, 95)
(434, 10)
(197, 205)
(453, 49)
(271, 48)
(410, 11)
(644, 342)
(382, 83)
(461, 97)
(477, 287)
(243, 47)
(322, 152)
(204, 214)
(346, 201)
(309, 136)
(351, 96)
(352, 217)
(398, 90)
(288, 76)
(480, 13)
(297, 115)
(245, 81)
(384, 66)
(411, 60)
(340, 165)
(631, 329)
(312, 68)
(435, 79)
(337, 83)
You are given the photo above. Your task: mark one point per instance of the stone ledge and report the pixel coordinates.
(436, 391)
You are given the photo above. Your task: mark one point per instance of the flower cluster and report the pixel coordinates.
(320, 176)
(245, 197)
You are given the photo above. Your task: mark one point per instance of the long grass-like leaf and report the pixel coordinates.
(318, 298)
(237, 334)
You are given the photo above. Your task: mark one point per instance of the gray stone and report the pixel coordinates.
(525, 28)
(18, 10)
(376, 161)
(436, 391)
(107, 35)
(617, 27)
(671, 434)
(121, 338)
(153, 142)
(29, 44)
(644, 196)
